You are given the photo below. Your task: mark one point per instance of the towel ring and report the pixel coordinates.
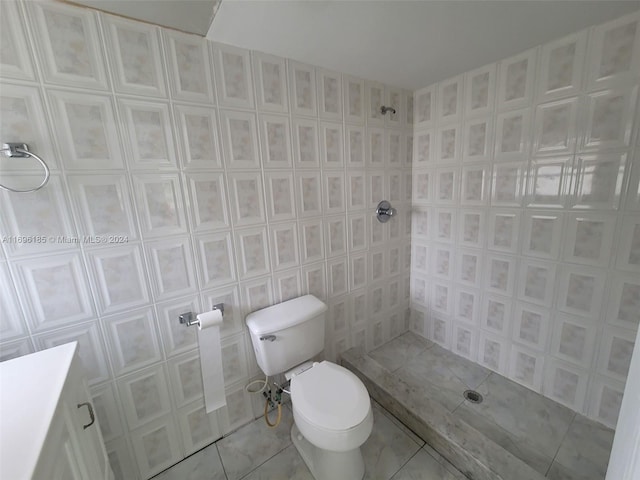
(21, 150)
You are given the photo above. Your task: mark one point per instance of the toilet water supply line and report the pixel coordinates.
(269, 402)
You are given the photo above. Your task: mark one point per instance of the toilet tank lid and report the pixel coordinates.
(286, 314)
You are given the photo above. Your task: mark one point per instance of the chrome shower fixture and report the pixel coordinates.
(385, 211)
(384, 110)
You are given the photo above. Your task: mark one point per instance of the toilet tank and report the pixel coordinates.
(287, 334)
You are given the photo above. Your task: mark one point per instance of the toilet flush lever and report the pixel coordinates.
(271, 338)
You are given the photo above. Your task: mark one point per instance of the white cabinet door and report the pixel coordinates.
(85, 427)
(60, 459)
(74, 449)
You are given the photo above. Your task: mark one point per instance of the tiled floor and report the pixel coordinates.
(552, 439)
(256, 452)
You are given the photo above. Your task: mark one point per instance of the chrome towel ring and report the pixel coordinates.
(21, 150)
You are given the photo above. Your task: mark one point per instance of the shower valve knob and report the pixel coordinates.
(385, 211)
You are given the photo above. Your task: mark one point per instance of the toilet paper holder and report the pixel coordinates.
(190, 318)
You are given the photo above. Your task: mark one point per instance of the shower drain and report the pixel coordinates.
(472, 396)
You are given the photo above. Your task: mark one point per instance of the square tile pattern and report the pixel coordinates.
(525, 231)
(203, 173)
(196, 173)
(256, 452)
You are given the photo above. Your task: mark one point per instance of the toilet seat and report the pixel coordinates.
(331, 407)
(330, 397)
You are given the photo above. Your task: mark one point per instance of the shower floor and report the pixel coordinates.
(513, 434)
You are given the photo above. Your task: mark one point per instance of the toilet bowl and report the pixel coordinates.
(333, 418)
(331, 407)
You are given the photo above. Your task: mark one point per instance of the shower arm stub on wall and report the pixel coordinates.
(21, 150)
(384, 110)
(189, 318)
(385, 211)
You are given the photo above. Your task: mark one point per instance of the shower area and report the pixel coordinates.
(493, 312)
(486, 425)
(525, 293)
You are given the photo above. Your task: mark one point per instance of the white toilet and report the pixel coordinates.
(331, 406)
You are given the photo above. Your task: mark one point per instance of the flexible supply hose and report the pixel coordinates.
(266, 415)
(264, 382)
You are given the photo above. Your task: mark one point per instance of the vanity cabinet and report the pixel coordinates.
(48, 428)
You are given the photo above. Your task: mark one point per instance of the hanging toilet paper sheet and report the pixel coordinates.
(211, 359)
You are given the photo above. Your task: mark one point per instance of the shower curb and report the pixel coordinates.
(475, 455)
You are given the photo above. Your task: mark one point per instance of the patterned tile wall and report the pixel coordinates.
(218, 175)
(526, 224)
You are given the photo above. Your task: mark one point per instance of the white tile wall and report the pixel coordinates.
(527, 171)
(217, 175)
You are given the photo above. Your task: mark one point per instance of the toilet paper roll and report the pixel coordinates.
(211, 359)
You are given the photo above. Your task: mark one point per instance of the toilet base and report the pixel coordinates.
(328, 465)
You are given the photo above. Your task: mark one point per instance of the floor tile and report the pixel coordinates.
(398, 423)
(523, 413)
(202, 465)
(423, 466)
(286, 465)
(558, 472)
(469, 373)
(586, 448)
(521, 448)
(519, 420)
(395, 353)
(430, 373)
(457, 474)
(254, 444)
(387, 449)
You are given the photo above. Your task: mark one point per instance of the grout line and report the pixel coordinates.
(270, 458)
(564, 437)
(399, 424)
(487, 378)
(289, 444)
(459, 405)
(224, 471)
(404, 464)
(175, 465)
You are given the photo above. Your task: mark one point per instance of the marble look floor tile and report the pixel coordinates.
(387, 449)
(447, 391)
(519, 447)
(475, 455)
(470, 373)
(423, 466)
(429, 449)
(430, 371)
(288, 464)
(585, 449)
(202, 465)
(457, 474)
(398, 423)
(523, 413)
(395, 353)
(558, 472)
(254, 444)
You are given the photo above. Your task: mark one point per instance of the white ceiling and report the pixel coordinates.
(193, 16)
(409, 44)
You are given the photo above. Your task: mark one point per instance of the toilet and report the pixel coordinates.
(331, 406)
